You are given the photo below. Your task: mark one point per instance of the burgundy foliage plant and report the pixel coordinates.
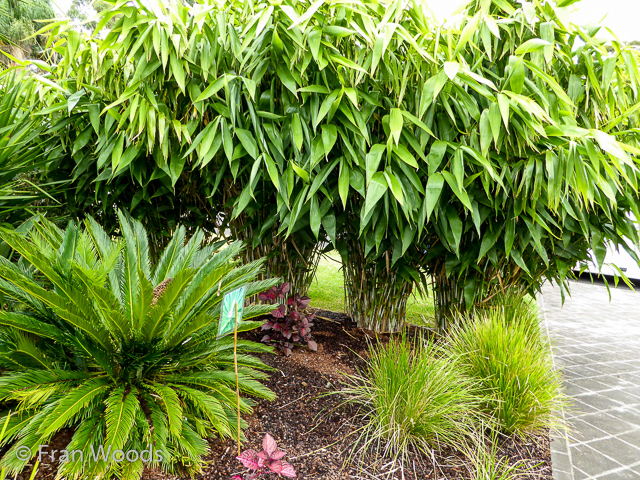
(269, 460)
(290, 323)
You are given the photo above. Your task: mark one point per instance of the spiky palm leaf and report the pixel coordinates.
(90, 346)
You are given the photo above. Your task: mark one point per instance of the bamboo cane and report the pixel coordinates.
(235, 363)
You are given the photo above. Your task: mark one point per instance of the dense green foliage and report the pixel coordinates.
(491, 155)
(101, 339)
(513, 364)
(413, 398)
(19, 20)
(24, 152)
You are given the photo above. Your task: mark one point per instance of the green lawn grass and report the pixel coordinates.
(327, 293)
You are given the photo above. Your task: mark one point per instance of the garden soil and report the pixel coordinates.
(317, 430)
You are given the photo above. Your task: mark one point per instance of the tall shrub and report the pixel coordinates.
(486, 156)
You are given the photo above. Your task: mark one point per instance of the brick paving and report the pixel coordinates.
(597, 344)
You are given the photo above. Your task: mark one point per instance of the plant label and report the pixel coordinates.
(228, 311)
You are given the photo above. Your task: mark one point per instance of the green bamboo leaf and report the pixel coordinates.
(343, 184)
(376, 188)
(372, 161)
(517, 74)
(436, 155)
(286, 78)
(455, 223)
(532, 45)
(94, 116)
(248, 142)
(322, 176)
(329, 137)
(212, 89)
(458, 192)
(178, 71)
(314, 216)
(466, 34)
(494, 120)
(504, 105)
(273, 171)
(314, 40)
(405, 155)
(451, 69)
(396, 187)
(433, 191)
(326, 106)
(296, 131)
(395, 124)
(486, 134)
(377, 53)
(308, 14)
(117, 152)
(301, 172)
(489, 239)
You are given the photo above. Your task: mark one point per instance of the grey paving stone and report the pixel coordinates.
(624, 474)
(590, 384)
(591, 461)
(630, 377)
(633, 438)
(580, 475)
(598, 401)
(623, 397)
(578, 409)
(561, 462)
(562, 475)
(573, 390)
(582, 431)
(615, 381)
(580, 371)
(628, 415)
(607, 423)
(613, 447)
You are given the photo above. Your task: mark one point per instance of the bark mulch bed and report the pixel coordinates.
(314, 429)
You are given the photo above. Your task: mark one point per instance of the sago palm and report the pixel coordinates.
(124, 352)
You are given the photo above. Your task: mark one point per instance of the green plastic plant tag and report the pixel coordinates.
(228, 311)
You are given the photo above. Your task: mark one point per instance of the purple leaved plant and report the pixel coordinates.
(290, 323)
(269, 460)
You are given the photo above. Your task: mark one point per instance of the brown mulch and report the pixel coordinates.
(314, 428)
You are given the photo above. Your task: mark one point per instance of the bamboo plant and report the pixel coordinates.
(500, 150)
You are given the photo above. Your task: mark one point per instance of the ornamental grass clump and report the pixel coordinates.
(512, 363)
(413, 398)
(488, 463)
(123, 352)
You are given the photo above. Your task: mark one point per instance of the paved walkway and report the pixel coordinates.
(597, 344)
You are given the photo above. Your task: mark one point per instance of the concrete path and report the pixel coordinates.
(597, 344)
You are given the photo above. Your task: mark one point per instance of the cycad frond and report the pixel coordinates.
(72, 404)
(25, 323)
(122, 407)
(170, 403)
(208, 406)
(169, 256)
(186, 254)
